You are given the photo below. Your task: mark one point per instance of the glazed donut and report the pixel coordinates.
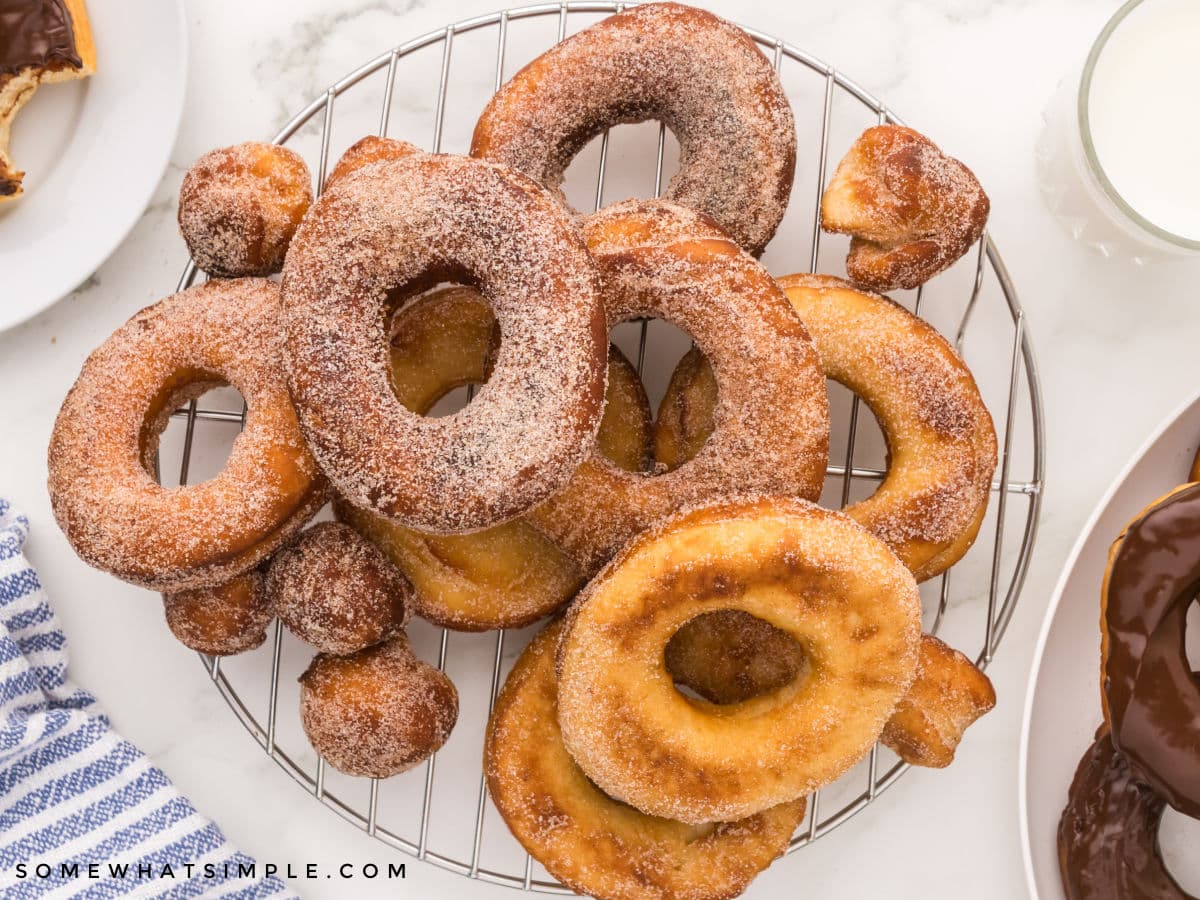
(239, 207)
(508, 575)
(105, 440)
(377, 712)
(222, 620)
(911, 210)
(659, 259)
(590, 842)
(941, 443)
(1151, 695)
(730, 656)
(703, 77)
(1108, 836)
(367, 150)
(335, 590)
(392, 229)
(810, 572)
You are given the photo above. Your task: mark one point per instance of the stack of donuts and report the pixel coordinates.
(718, 646)
(1146, 754)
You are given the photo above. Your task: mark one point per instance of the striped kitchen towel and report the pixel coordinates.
(83, 813)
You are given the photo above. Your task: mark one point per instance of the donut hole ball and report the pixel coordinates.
(729, 656)
(222, 620)
(335, 590)
(240, 206)
(377, 712)
(367, 150)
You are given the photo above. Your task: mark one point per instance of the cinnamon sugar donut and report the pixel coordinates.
(912, 211)
(239, 207)
(334, 589)
(596, 845)
(940, 438)
(390, 230)
(659, 259)
(221, 620)
(508, 575)
(101, 456)
(810, 572)
(703, 77)
(377, 712)
(365, 151)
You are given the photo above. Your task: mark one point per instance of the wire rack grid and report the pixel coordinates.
(988, 591)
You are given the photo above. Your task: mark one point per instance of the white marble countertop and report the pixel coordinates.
(1116, 349)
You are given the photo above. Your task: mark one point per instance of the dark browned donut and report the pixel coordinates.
(222, 620)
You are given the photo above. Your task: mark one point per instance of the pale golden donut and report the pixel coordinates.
(813, 573)
(596, 845)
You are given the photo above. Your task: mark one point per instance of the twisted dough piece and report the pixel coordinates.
(912, 211)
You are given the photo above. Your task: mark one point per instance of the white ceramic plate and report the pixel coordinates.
(93, 152)
(1062, 709)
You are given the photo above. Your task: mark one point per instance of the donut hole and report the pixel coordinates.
(866, 456)
(730, 656)
(630, 166)
(1178, 837)
(220, 412)
(1191, 636)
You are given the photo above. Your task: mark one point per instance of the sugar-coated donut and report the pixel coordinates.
(334, 589)
(940, 437)
(661, 260)
(390, 230)
(1108, 835)
(596, 845)
(912, 210)
(1150, 694)
(508, 575)
(221, 620)
(377, 712)
(367, 150)
(813, 573)
(239, 207)
(105, 440)
(703, 77)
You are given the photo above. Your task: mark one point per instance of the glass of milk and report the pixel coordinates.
(1119, 157)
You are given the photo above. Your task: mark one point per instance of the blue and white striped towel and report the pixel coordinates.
(72, 791)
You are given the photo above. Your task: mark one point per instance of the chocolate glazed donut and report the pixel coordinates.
(1151, 696)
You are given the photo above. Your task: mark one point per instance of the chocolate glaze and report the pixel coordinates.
(36, 33)
(1108, 835)
(1153, 697)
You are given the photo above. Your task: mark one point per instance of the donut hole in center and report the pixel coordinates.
(1191, 638)
(1178, 837)
(858, 449)
(730, 656)
(630, 166)
(219, 418)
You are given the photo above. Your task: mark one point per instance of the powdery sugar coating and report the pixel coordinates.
(222, 620)
(596, 845)
(377, 712)
(400, 226)
(911, 209)
(812, 573)
(239, 207)
(703, 77)
(102, 450)
(367, 150)
(334, 589)
(772, 420)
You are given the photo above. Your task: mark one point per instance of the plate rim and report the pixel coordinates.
(118, 235)
(1039, 649)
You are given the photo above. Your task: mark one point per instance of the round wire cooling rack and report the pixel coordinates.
(423, 812)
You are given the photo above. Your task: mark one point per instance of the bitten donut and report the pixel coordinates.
(105, 440)
(1108, 836)
(390, 230)
(221, 620)
(730, 656)
(940, 438)
(377, 712)
(508, 575)
(239, 207)
(661, 260)
(810, 572)
(703, 77)
(334, 589)
(590, 842)
(367, 150)
(1151, 695)
(911, 210)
